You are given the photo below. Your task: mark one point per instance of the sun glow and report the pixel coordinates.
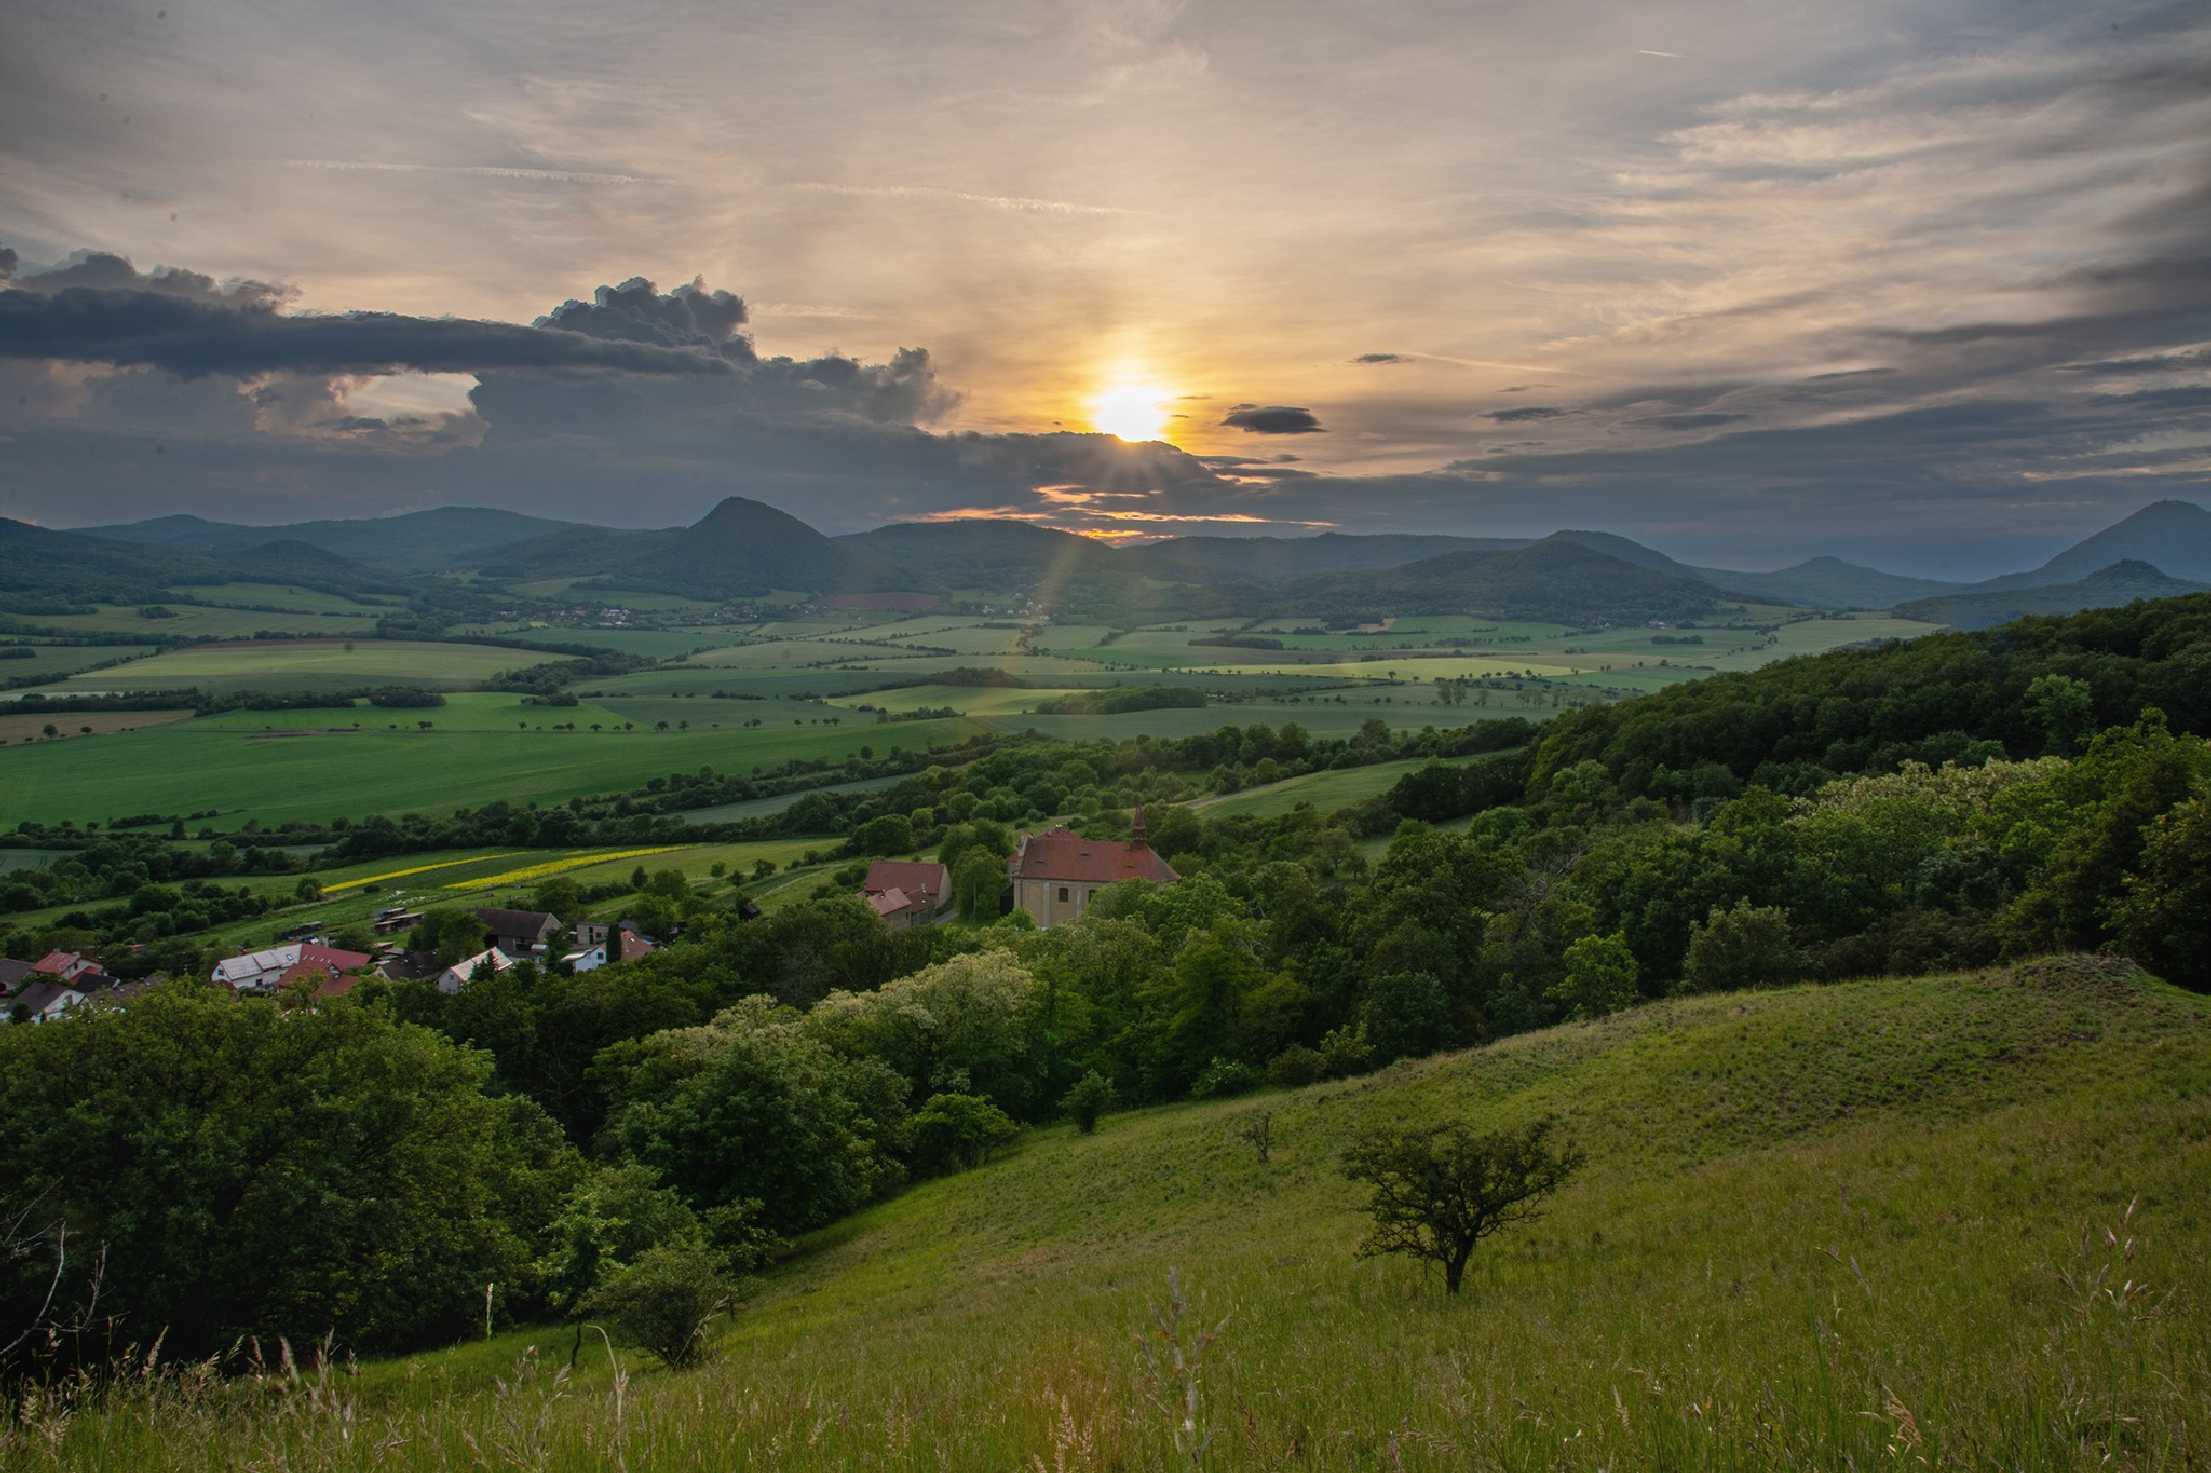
(1132, 411)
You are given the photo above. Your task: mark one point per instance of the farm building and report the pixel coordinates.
(15, 976)
(907, 892)
(520, 933)
(1055, 873)
(591, 957)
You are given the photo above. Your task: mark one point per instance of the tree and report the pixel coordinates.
(959, 1129)
(1600, 977)
(612, 1218)
(1438, 1190)
(664, 1302)
(893, 833)
(191, 1136)
(1406, 1016)
(979, 884)
(2065, 708)
(1087, 1100)
(2163, 918)
(1742, 946)
(450, 934)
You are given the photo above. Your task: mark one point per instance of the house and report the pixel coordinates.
(257, 971)
(42, 1002)
(326, 971)
(15, 976)
(67, 966)
(394, 918)
(520, 933)
(397, 965)
(591, 958)
(1055, 873)
(923, 891)
(893, 909)
(483, 964)
(592, 933)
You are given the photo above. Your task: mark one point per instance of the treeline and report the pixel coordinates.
(1112, 700)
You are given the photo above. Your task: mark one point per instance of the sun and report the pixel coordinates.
(1131, 411)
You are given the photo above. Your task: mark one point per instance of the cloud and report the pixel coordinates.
(1272, 419)
(1382, 358)
(1526, 414)
(1018, 203)
(98, 309)
(1690, 421)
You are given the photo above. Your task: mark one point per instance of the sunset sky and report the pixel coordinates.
(1923, 283)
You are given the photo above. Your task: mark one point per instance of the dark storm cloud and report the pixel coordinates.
(1272, 419)
(99, 309)
(1527, 414)
(1381, 358)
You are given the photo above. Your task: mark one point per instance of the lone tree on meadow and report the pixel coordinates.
(1440, 1189)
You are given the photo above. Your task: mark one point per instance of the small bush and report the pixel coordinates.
(664, 1302)
(1295, 1066)
(1223, 1078)
(1089, 1099)
(1345, 1051)
(959, 1130)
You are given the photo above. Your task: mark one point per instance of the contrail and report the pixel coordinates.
(1669, 55)
(474, 171)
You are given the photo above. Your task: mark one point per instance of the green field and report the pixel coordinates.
(969, 700)
(1839, 1228)
(312, 664)
(1327, 790)
(304, 599)
(196, 622)
(317, 774)
(53, 661)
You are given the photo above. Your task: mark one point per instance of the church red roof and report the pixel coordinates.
(1063, 854)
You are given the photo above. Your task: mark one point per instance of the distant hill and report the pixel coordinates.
(432, 541)
(43, 564)
(1829, 583)
(1559, 579)
(1206, 558)
(987, 556)
(2171, 536)
(2114, 587)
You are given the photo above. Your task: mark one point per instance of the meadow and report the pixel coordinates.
(197, 621)
(1327, 790)
(1946, 1223)
(314, 774)
(278, 664)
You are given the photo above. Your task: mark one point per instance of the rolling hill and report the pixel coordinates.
(2114, 587)
(1560, 578)
(436, 540)
(2172, 536)
(1817, 1225)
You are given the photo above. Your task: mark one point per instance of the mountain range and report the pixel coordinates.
(743, 547)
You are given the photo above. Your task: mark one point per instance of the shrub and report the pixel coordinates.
(1345, 1051)
(1295, 1066)
(1224, 1077)
(1088, 1100)
(959, 1130)
(1744, 946)
(664, 1301)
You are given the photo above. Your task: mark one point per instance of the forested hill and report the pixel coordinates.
(1855, 710)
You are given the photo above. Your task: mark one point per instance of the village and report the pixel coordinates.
(1051, 877)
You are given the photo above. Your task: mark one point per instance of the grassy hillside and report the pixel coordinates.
(1832, 1227)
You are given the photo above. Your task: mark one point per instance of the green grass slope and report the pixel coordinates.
(1823, 1227)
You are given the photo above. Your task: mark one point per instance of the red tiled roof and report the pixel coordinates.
(325, 966)
(54, 963)
(888, 902)
(922, 879)
(1063, 854)
(634, 946)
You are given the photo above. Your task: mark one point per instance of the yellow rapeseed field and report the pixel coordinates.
(401, 874)
(555, 866)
